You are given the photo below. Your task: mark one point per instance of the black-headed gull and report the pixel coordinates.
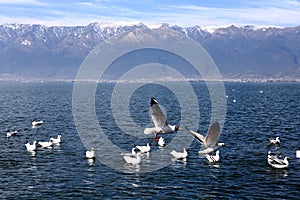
(213, 158)
(160, 141)
(180, 155)
(90, 154)
(211, 137)
(36, 123)
(276, 162)
(275, 141)
(159, 120)
(56, 140)
(132, 158)
(144, 149)
(45, 144)
(11, 133)
(210, 140)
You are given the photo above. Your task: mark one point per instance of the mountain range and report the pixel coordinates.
(247, 52)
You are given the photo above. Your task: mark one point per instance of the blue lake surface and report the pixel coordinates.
(255, 113)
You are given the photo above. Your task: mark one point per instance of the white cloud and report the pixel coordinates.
(257, 15)
(85, 4)
(22, 2)
(272, 13)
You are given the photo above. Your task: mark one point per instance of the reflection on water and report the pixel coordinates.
(32, 153)
(90, 161)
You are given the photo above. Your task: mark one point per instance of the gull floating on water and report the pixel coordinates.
(30, 147)
(56, 140)
(297, 153)
(213, 158)
(132, 158)
(11, 133)
(144, 149)
(45, 144)
(160, 141)
(270, 156)
(276, 162)
(275, 141)
(179, 155)
(36, 123)
(90, 154)
(210, 140)
(159, 120)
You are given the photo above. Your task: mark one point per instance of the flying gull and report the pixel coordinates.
(210, 140)
(159, 120)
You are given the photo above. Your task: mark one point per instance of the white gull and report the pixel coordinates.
(90, 154)
(275, 141)
(56, 140)
(213, 158)
(209, 142)
(11, 133)
(159, 120)
(160, 141)
(36, 123)
(132, 158)
(144, 149)
(30, 147)
(276, 162)
(180, 155)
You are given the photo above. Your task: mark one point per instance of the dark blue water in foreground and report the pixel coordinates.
(63, 172)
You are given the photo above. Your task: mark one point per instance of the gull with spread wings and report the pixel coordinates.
(159, 120)
(210, 140)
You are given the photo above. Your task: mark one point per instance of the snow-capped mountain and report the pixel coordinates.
(39, 51)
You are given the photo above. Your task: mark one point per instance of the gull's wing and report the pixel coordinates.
(276, 161)
(212, 136)
(151, 130)
(158, 117)
(198, 136)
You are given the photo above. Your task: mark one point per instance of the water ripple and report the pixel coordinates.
(63, 172)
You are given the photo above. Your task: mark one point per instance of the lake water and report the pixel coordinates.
(255, 113)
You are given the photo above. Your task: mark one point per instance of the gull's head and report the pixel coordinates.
(177, 128)
(153, 101)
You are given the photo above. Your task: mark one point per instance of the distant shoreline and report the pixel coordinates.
(237, 80)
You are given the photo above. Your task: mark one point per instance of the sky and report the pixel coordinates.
(185, 13)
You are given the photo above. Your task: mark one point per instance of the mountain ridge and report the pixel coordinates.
(56, 52)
